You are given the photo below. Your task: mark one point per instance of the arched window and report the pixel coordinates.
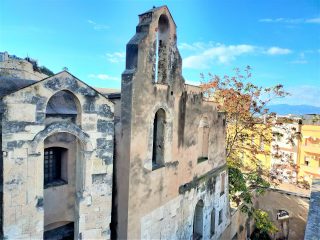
(203, 140)
(158, 139)
(198, 221)
(63, 105)
(161, 49)
(212, 222)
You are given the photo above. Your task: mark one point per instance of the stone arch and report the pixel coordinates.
(61, 127)
(64, 102)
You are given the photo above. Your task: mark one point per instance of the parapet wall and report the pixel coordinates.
(18, 68)
(313, 222)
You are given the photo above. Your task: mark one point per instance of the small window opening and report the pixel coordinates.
(261, 143)
(203, 140)
(220, 216)
(158, 139)
(54, 167)
(212, 222)
(223, 183)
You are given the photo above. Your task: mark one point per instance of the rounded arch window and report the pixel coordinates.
(161, 63)
(163, 24)
(64, 105)
(158, 139)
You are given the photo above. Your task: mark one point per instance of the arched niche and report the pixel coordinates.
(63, 106)
(198, 220)
(203, 139)
(158, 149)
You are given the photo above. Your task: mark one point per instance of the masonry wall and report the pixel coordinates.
(23, 135)
(19, 68)
(312, 228)
(142, 190)
(295, 204)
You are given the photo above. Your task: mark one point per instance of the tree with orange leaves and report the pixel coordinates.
(247, 119)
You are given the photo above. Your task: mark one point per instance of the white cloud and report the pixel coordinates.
(301, 58)
(303, 94)
(116, 57)
(278, 51)
(313, 20)
(103, 77)
(219, 53)
(204, 55)
(98, 27)
(195, 46)
(299, 61)
(291, 20)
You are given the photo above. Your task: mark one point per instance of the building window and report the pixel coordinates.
(213, 222)
(53, 166)
(261, 143)
(158, 139)
(220, 216)
(252, 139)
(306, 161)
(162, 36)
(203, 140)
(223, 183)
(198, 221)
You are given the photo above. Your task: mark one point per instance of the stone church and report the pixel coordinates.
(145, 163)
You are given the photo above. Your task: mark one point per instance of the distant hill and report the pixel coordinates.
(284, 109)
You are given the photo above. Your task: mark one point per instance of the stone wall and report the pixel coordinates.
(141, 189)
(313, 223)
(174, 219)
(24, 132)
(19, 68)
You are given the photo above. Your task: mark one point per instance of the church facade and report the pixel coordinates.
(146, 163)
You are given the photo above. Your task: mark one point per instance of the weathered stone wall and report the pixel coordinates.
(240, 226)
(142, 189)
(19, 68)
(174, 219)
(23, 135)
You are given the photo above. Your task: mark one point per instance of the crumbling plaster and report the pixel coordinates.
(140, 191)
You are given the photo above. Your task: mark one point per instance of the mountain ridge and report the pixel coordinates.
(284, 109)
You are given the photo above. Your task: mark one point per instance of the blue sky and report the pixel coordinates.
(279, 39)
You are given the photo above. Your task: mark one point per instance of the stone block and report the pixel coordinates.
(21, 112)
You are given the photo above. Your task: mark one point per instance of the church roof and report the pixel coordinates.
(10, 84)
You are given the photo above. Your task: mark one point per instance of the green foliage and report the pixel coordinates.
(46, 71)
(241, 185)
(263, 222)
